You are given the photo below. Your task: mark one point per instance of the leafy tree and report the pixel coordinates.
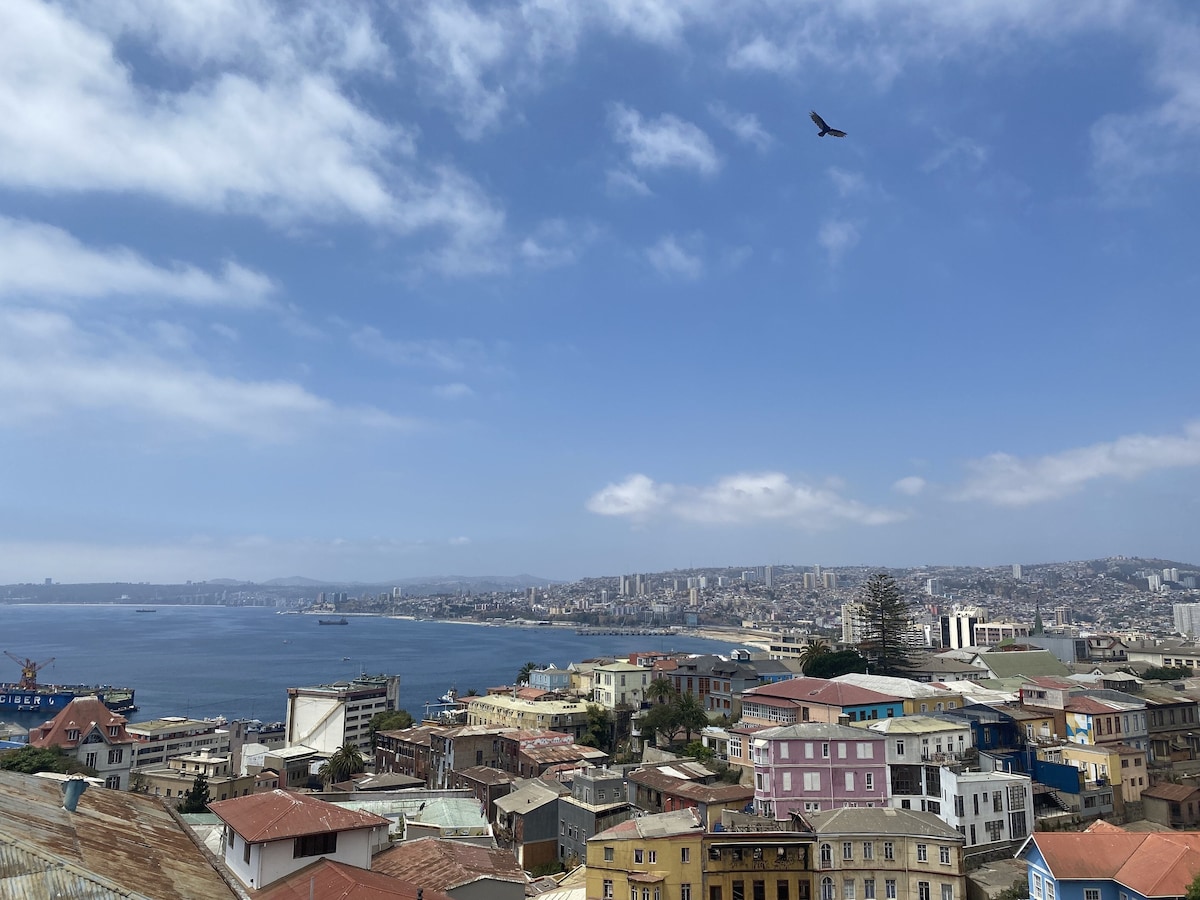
(887, 641)
(526, 671)
(661, 690)
(831, 665)
(1167, 673)
(31, 760)
(196, 800)
(662, 718)
(1019, 890)
(599, 731)
(697, 750)
(345, 761)
(389, 720)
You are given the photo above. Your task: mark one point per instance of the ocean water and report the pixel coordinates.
(202, 661)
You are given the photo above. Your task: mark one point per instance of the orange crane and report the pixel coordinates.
(29, 670)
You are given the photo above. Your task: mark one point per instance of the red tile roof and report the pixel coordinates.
(279, 815)
(1160, 864)
(82, 715)
(337, 881)
(820, 691)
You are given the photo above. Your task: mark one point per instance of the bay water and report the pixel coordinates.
(238, 662)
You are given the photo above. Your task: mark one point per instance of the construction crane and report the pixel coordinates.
(29, 670)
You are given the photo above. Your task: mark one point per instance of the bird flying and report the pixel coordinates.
(825, 129)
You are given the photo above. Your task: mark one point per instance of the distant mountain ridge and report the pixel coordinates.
(516, 582)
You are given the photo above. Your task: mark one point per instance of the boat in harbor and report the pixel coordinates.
(341, 621)
(29, 696)
(145, 610)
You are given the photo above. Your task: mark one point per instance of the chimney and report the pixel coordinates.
(73, 789)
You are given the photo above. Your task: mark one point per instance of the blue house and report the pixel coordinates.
(1108, 863)
(550, 679)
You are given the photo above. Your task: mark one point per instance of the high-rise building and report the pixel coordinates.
(958, 629)
(852, 623)
(1062, 615)
(1171, 574)
(694, 596)
(810, 581)
(829, 580)
(933, 587)
(1016, 570)
(1187, 618)
(769, 576)
(1154, 583)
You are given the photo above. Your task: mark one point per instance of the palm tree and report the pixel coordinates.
(661, 689)
(814, 648)
(691, 714)
(526, 671)
(345, 761)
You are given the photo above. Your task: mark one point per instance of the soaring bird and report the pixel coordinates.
(825, 129)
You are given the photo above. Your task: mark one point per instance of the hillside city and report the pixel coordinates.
(950, 732)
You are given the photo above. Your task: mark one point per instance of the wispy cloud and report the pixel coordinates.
(666, 142)
(622, 182)
(957, 152)
(41, 261)
(49, 367)
(910, 486)
(847, 183)
(745, 126)
(454, 391)
(556, 242)
(1005, 480)
(671, 259)
(837, 237)
(457, 355)
(738, 499)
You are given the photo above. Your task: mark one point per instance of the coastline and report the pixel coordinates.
(735, 637)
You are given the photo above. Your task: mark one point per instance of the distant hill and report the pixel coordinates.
(444, 582)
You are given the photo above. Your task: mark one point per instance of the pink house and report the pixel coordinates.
(817, 766)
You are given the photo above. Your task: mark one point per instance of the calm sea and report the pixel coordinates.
(239, 662)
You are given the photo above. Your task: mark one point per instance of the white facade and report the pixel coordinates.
(160, 739)
(326, 717)
(620, 683)
(987, 807)
(1187, 618)
(259, 865)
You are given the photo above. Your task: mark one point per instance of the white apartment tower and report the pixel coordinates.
(1187, 618)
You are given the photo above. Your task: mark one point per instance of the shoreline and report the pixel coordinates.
(735, 637)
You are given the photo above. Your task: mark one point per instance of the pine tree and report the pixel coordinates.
(197, 798)
(887, 638)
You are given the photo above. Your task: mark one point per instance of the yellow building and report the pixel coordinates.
(1118, 765)
(567, 716)
(670, 856)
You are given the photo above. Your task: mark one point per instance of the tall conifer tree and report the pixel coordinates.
(887, 633)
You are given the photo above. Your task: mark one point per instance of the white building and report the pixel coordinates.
(620, 683)
(917, 748)
(160, 739)
(1187, 618)
(325, 717)
(987, 807)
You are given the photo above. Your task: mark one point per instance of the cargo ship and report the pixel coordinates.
(341, 621)
(29, 697)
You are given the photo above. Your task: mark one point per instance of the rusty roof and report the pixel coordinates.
(1168, 791)
(820, 691)
(561, 753)
(1158, 864)
(337, 881)
(487, 775)
(127, 843)
(279, 815)
(445, 865)
(691, 790)
(82, 716)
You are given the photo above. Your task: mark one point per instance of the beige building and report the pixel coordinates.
(620, 684)
(568, 716)
(324, 717)
(160, 739)
(176, 778)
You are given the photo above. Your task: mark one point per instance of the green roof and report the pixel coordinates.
(1030, 663)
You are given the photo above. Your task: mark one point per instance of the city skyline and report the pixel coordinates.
(301, 289)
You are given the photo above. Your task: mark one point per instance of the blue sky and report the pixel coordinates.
(371, 291)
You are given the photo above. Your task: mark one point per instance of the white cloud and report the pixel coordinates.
(623, 182)
(739, 499)
(745, 126)
(910, 486)
(556, 242)
(459, 541)
(49, 367)
(454, 391)
(957, 152)
(1005, 480)
(836, 237)
(671, 259)
(42, 261)
(288, 145)
(445, 355)
(847, 183)
(663, 143)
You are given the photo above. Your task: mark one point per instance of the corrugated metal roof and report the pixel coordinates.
(330, 880)
(445, 865)
(279, 815)
(116, 843)
(881, 820)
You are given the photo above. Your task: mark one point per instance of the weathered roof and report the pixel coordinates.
(692, 790)
(892, 686)
(561, 753)
(820, 691)
(1168, 791)
(912, 725)
(450, 812)
(1030, 663)
(530, 796)
(487, 775)
(668, 824)
(445, 865)
(278, 815)
(1159, 864)
(881, 820)
(817, 730)
(116, 843)
(81, 717)
(331, 880)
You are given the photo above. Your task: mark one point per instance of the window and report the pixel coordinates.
(847, 850)
(315, 845)
(685, 854)
(825, 751)
(827, 889)
(944, 855)
(608, 889)
(608, 854)
(1091, 894)
(1049, 889)
(869, 779)
(738, 890)
(849, 781)
(865, 750)
(639, 856)
(994, 829)
(783, 750)
(653, 857)
(781, 890)
(812, 781)
(947, 892)
(759, 890)
(787, 781)
(72, 734)
(889, 889)
(841, 749)
(922, 890)
(868, 850)
(808, 751)
(868, 889)
(714, 892)
(997, 801)
(115, 756)
(1037, 887)
(922, 853)
(889, 850)
(112, 730)
(246, 852)
(90, 760)
(959, 810)
(826, 856)
(848, 889)
(685, 892)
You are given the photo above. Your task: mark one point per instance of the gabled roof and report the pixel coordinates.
(445, 865)
(1160, 864)
(532, 795)
(331, 880)
(1168, 791)
(819, 691)
(82, 715)
(669, 824)
(116, 843)
(280, 815)
(881, 820)
(818, 731)
(1030, 663)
